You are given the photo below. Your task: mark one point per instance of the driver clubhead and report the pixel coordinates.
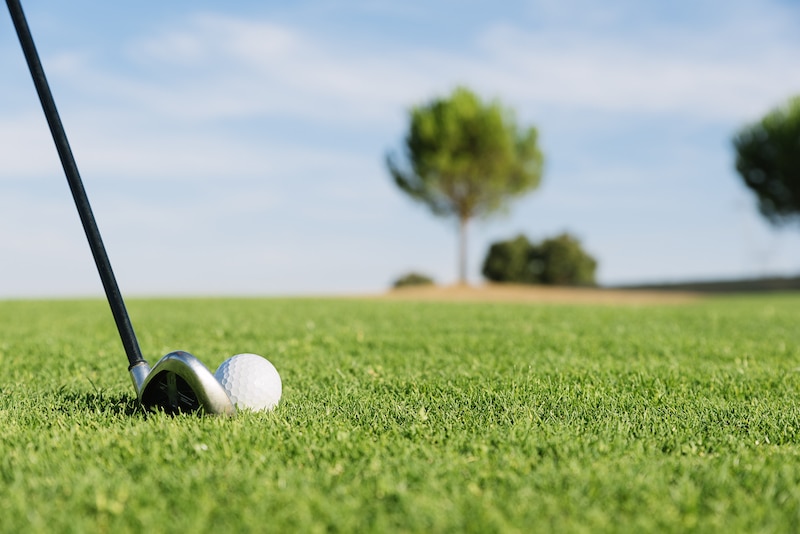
(180, 383)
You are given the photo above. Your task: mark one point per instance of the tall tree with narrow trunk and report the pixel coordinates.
(464, 158)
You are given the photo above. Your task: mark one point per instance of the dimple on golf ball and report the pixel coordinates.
(251, 381)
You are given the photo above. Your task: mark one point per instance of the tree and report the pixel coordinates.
(768, 159)
(465, 158)
(556, 261)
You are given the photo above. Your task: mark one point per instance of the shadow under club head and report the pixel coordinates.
(180, 383)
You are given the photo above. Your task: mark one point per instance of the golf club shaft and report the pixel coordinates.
(113, 294)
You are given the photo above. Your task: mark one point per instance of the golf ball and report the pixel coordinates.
(251, 382)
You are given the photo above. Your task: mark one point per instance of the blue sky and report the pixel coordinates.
(238, 147)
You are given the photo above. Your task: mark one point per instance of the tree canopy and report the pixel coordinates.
(465, 158)
(768, 160)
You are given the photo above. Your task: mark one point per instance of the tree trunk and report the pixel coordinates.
(462, 250)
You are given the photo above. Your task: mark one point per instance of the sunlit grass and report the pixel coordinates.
(402, 416)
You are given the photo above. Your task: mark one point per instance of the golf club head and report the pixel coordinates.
(180, 383)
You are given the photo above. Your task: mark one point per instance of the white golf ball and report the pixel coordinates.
(251, 382)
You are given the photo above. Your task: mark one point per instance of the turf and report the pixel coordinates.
(411, 417)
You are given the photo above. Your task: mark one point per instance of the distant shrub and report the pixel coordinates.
(556, 261)
(564, 262)
(511, 261)
(413, 279)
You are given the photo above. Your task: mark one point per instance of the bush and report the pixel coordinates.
(564, 262)
(413, 279)
(510, 261)
(555, 261)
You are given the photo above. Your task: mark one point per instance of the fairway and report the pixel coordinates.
(407, 416)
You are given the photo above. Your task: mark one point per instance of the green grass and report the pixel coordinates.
(411, 417)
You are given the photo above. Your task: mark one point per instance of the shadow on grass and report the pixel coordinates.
(98, 402)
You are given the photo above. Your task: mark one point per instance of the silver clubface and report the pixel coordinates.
(180, 383)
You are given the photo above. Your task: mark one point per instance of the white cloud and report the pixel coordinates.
(227, 67)
(685, 75)
(728, 68)
(216, 66)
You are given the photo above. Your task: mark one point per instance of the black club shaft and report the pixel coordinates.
(113, 294)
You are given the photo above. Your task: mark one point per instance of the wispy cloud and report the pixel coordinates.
(735, 61)
(222, 67)
(216, 66)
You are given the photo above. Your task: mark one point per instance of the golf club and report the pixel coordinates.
(178, 382)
